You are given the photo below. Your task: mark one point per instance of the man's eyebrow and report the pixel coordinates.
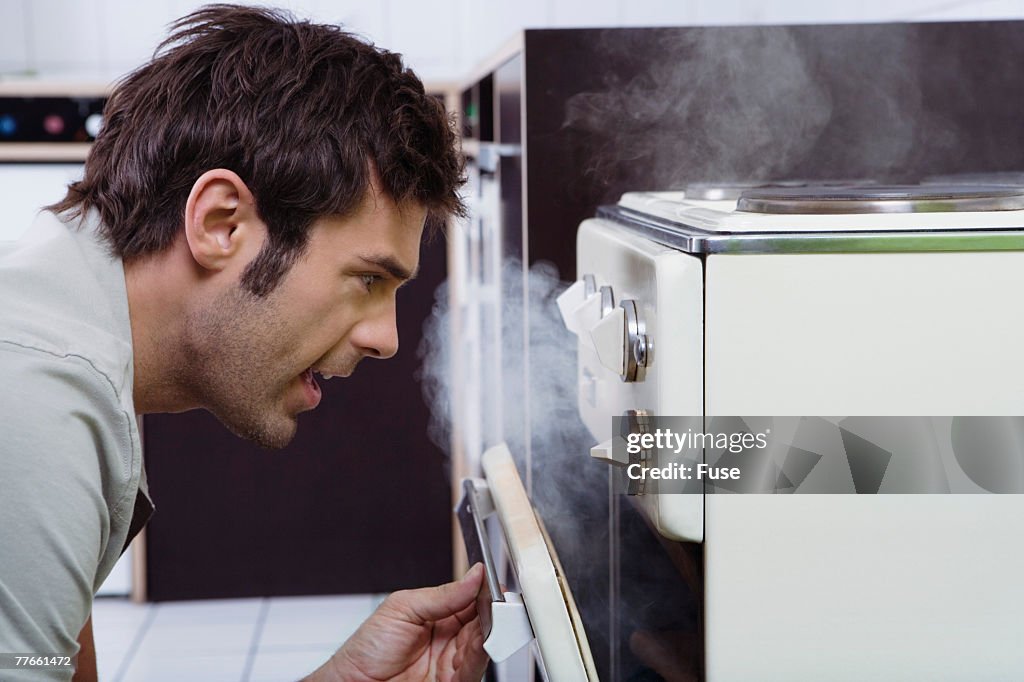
(391, 266)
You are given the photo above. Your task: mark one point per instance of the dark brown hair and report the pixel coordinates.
(303, 113)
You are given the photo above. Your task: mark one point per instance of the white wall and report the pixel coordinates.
(442, 39)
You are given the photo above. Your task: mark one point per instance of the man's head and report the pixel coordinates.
(277, 167)
(303, 113)
(250, 360)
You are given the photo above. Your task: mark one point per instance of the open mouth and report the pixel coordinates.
(312, 388)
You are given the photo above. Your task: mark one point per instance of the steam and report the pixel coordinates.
(569, 490)
(435, 373)
(557, 437)
(539, 402)
(749, 104)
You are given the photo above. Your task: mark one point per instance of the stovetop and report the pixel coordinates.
(843, 217)
(857, 199)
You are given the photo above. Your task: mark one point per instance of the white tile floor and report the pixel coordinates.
(279, 639)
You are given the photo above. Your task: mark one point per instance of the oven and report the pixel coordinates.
(780, 305)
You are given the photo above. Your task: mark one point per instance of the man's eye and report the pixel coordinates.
(370, 280)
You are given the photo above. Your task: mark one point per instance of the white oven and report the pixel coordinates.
(798, 301)
(821, 301)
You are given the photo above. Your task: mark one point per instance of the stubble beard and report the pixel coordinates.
(231, 370)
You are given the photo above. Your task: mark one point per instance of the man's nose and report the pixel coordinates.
(377, 337)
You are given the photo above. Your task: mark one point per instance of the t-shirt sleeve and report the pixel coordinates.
(58, 426)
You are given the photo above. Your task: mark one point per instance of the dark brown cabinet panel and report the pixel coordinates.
(359, 502)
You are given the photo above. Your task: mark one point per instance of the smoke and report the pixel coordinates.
(755, 104)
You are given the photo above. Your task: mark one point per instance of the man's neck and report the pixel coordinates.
(156, 310)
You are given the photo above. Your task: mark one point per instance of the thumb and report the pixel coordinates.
(436, 603)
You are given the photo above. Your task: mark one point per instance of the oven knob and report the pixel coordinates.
(583, 304)
(638, 421)
(609, 337)
(606, 452)
(569, 301)
(617, 453)
(622, 343)
(93, 124)
(8, 125)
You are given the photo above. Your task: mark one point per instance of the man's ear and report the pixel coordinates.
(221, 222)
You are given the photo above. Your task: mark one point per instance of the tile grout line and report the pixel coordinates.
(136, 641)
(261, 620)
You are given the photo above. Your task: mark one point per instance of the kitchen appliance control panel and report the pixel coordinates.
(633, 297)
(63, 119)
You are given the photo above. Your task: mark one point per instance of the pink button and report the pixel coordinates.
(53, 124)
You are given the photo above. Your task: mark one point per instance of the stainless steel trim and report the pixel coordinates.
(696, 241)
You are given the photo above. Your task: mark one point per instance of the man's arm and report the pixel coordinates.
(85, 671)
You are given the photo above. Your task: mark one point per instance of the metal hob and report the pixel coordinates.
(881, 199)
(785, 218)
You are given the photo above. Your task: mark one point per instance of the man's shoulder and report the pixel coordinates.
(57, 409)
(49, 397)
(37, 368)
(63, 297)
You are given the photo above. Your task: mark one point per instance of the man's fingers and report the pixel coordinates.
(467, 614)
(472, 659)
(436, 603)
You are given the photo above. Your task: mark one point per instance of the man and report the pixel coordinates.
(255, 199)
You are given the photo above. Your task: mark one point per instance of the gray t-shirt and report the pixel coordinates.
(71, 470)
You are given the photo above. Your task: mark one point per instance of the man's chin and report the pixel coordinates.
(272, 434)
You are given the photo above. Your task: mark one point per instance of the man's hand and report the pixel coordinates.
(427, 634)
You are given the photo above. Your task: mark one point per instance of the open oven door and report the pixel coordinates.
(545, 614)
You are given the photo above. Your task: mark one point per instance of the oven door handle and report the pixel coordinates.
(503, 618)
(474, 507)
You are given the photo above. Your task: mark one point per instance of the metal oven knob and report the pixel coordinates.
(622, 343)
(639, 348)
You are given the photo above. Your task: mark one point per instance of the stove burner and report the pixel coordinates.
(882, 199)
(722, 191)
(990, 178)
